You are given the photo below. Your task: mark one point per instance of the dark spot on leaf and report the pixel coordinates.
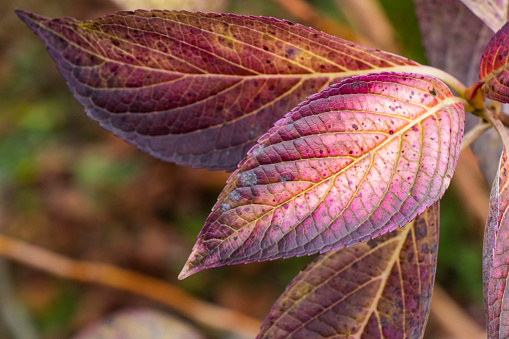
(355, 127)
(433, 92)
(248, 179)
(286, 177)
(371, 243)
(424, 248)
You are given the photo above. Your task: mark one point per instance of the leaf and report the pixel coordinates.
(492, 12)
(357, 160)
(140, 324)
(493, 68)
(454, 39)
(197, 89)
(378, 289)
(496, 255)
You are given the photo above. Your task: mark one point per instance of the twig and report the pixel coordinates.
(452, 318)
(368, 18)
(498, 125)
(207, 314)
(473, 134)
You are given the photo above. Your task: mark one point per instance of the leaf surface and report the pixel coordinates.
(496, 255)
(193, 88)
(140, 324)
(359, 159)
(492, 12)
(493, 68)
(378, 289)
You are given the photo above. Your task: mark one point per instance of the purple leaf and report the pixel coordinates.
(378, 289)
(359, 159)
(493, 69)
(496, 256)
(193, 88)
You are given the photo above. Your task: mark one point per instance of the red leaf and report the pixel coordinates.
(379, 289)
(493, 69)
(193, 88)
(496, 255)
(359, 159)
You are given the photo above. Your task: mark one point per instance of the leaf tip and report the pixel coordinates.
(192, 265)
(184, 273)
(29, 18)
(189, 269)
(32, 20)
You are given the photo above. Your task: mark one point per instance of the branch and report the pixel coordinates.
(474, 133)
(489, 115)
(207, 314)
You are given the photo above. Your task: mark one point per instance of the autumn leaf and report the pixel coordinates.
(493, 69)
(193, 88)
(496, 255)
(378, 289)
(357, 160)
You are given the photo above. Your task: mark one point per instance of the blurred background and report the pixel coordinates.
(69, 186)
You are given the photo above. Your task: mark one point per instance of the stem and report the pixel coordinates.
(207, 314)
(474, 133)
(498, 125)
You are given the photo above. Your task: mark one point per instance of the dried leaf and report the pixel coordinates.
(378, 289)
(496, 255)
(493, 68)
(359, 159)
(140, 324)
(193, 88)
(492, 12)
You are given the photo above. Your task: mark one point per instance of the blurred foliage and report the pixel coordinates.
(69, 186)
